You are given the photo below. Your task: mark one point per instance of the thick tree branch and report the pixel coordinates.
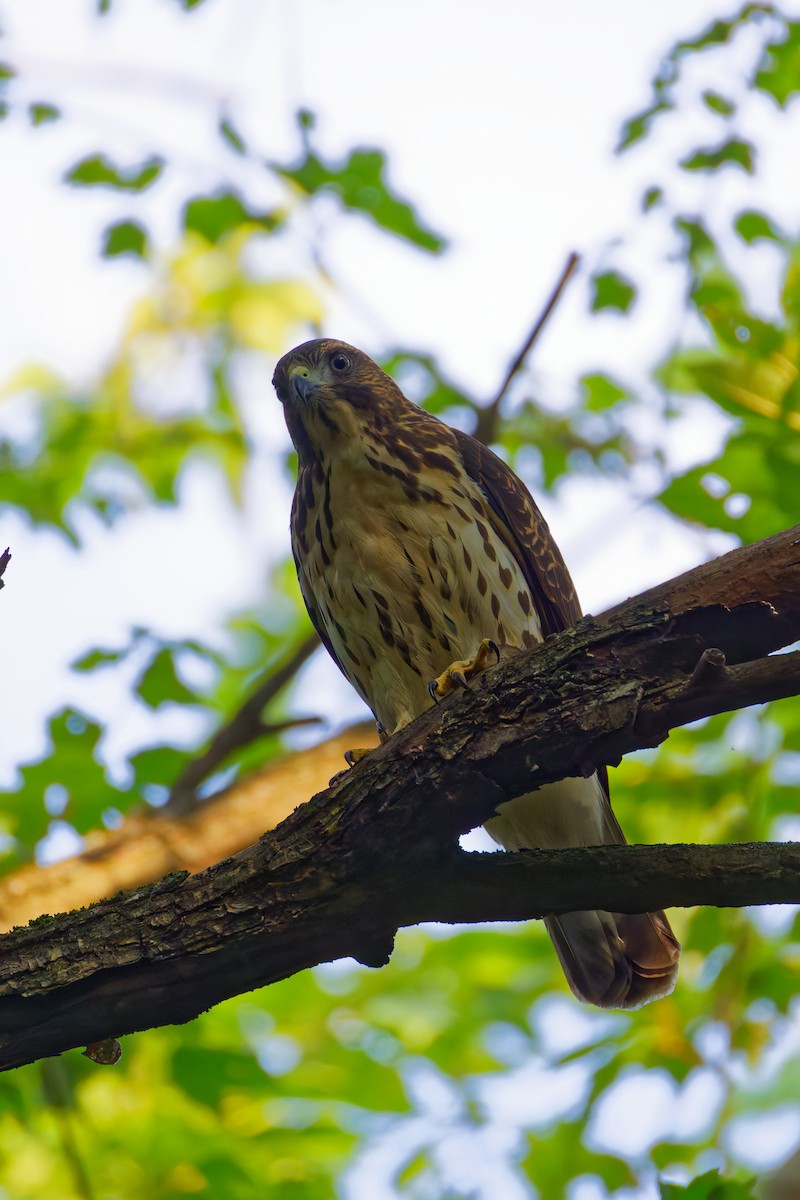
(373, 852)
(152, 843)
(534, 883)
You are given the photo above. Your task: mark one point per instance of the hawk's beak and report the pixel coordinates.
(302, 388)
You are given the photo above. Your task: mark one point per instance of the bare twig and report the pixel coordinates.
(489, 417)
(5, 559)
(244, 726)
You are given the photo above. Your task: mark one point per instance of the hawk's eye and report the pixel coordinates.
(340, 362)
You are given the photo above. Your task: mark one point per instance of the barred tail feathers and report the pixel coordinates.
(616, 960)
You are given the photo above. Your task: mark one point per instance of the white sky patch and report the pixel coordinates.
(535, 1095)
(702, 1096)
(60, 841)
(564, 1026)
(762, 1141)
(633, 1114)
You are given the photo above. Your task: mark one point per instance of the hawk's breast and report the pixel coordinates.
(406, 579)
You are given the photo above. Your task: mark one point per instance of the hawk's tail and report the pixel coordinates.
(613, 960)
(616, 960)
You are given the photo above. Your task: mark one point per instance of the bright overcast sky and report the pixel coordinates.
(499, 122)
(500, 127)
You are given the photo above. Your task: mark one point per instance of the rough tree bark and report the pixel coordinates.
(152, 843)
(379, 849)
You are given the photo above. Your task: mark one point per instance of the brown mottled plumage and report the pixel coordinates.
(413, 542)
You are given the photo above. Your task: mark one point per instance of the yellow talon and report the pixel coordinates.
(351, 757)
(459, 674)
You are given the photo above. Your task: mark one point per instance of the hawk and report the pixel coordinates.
(418, 551)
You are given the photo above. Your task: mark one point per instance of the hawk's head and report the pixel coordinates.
(330, 390)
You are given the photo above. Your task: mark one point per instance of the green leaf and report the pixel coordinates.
(718, 33)
(98, 171)
(753, 226)
(612, 290)
(738, 383)
(360, 186)
(752, 489)
(158, 765)
(719, 104)
(735, 152)
(652, 197)
(790, 292)
(779, 75)
(159, 683)
(207, 1074)
(700, 244)
(97, 658)
(126, 237)
(638, 127)
(413, 1169)
(43, 114)
(7, 71)
(231, 135)
(215, 216)
(562, 1156)
(71, 764)
(710, 1186)
(601, 393)
(188, 5)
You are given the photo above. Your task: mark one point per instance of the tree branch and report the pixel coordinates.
(488, 418)
(535, 883)
(149, 844)
(372, 853)
(244, 727)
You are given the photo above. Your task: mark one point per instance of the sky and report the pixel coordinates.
(514, 113)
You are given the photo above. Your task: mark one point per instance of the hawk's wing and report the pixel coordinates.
(307, 592)
(527, 535)
(524, 531)
(316, 619)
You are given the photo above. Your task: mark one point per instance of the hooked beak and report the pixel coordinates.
(302, 388)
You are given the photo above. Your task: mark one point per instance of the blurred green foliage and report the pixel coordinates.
(98, 171)
(462, 1069)
(359, 184)
(612, 290)
(126, 237)
(707, 1187)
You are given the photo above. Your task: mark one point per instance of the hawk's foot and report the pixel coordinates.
(351, 757)
(459, 674)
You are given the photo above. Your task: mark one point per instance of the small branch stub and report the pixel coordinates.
(106, 1053)
(711, 668)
